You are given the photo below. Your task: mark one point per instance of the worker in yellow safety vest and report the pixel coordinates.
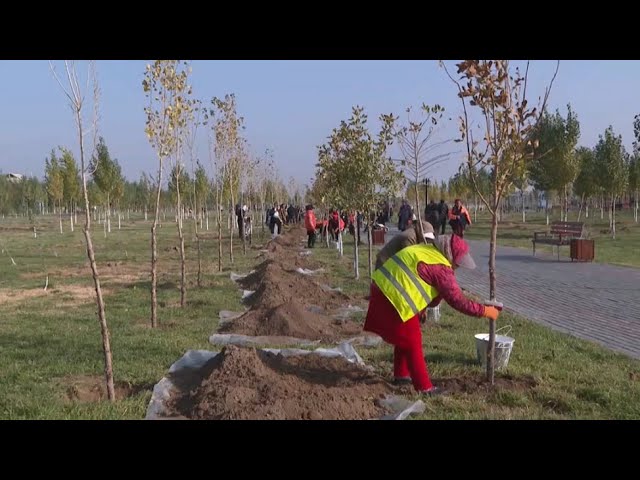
(413, 279)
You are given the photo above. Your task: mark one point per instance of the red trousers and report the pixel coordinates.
(406, 337)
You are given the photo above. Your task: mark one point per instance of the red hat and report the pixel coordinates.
(460, 253)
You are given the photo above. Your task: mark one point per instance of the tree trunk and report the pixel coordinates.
(199, 262)
(104, 329)
(207, 219)
(356, 253)
(71, 220)
(586, 209)
(327, 233)
(119, 217)
(475, 209)
(183, 272)
(60, 218)
(492, 296)
(613, 216)
(635, 207)
(581, 205)
(524, 215)
(370, 261)
(219, 239)
(231, 232)
(154, 254)
(145, 213)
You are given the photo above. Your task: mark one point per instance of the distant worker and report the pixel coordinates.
(459, 218)
(310, 224)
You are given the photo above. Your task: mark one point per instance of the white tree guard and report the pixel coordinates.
(400, 407)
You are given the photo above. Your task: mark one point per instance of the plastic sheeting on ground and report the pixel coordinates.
(239, 276)
(306, 271)
(400, 407)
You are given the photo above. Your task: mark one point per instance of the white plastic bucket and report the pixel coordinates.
(502, 351)
(433, 313)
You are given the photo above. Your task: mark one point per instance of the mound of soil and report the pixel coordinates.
(273, 286)
(291, 319)
(247, 384)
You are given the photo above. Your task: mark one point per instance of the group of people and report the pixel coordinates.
(439, 215)
(279, 215)
(414, 271)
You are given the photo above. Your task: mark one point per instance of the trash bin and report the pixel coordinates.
(378, 237)
(582, 250)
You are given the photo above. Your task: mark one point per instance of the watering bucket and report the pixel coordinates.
(434, 313)
(502, 350)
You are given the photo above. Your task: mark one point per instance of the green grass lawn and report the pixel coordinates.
(51, 341)
(513, 233)
(575, 379)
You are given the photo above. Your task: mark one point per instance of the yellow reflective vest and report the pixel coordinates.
(399, 281)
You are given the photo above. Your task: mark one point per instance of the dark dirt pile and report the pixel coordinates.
(273, 286)
(247, 384)
(288, 303)
(291, 319)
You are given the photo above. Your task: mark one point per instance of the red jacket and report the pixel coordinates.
(383, 319)
(310, 221)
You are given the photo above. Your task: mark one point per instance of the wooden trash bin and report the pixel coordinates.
(377, 237)
(582, 250)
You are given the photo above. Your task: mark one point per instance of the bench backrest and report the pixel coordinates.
(567, 228)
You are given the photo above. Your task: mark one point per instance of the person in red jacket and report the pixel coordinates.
(310, 225)
(459, 218)
(383, 318)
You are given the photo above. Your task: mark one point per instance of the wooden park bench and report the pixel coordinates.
(560, 233)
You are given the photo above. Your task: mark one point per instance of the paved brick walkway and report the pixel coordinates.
(592, 301)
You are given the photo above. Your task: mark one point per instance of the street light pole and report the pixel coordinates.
(426, 192)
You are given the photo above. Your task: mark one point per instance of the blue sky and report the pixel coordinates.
(289, 106)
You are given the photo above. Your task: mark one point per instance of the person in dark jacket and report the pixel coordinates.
(240, 217)
(443, 214)
(291, 214)
(404, 216)
(432, 215)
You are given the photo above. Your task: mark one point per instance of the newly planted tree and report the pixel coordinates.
(71, 181)
(164, 85)
(107, 175)
(611, 170)
(556, 165)
(229, 148)
(355, 168)
(634, 166)
(54, 183)
(76, 97)
(585, 184)
(420, 149)
(506, 146)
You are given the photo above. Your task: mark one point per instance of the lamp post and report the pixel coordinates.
(426, 192)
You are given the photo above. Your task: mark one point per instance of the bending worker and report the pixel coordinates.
(413, 279)
(403, 240)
